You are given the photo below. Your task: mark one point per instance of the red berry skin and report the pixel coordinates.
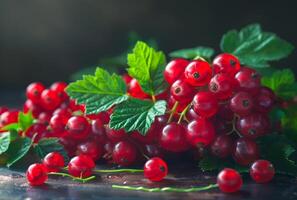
(229, 180)
(78, 128)
(262, 171)
(246, 151)
(222, 86)
(192, 115)
(226, 63)
(69, 145)
(36, 174)
(264, 100)
(49, 99)
(136, 91)
(116, 135)
(3, 109)
(58, 123)
(198, 73)
(98, 131)
(173, 138)
(59, 88)
(182, 91)
(242, 103)
(62, 111)
(34, 108)
(53, 161)
(91, 149)
(33, 92)
(153, 150)
(249, 80)
(103, 116)
(81, 166)
(37, 131)
(180, 107)
(253, 125)
(127, 78)
(225, 112)
(155, 169)
(124, 153)
(205, 104)
(200, 133)
(44, 118)
(222, 146)
(175, 70)
(9, 117)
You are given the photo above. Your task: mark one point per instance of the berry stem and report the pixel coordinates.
(173, 110)
(83, 180)
(166, 189)
(184, 112)
(153, 98)
(118, 170)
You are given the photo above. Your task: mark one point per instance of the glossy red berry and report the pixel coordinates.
(3, 109)
(253, 125)
(229, 180)
(262, 171)
(249, 80)
(222, 85)
(36, 131)
(58, 123)
(81, 166)
(53, 161)
(155, 169)
(222, 146)
(242, 103)
(175, 70)
(198, 73)
(36, 174)
(264, 100)
(115, 135)
(246, 151)
(182, 91)
(226, 63)
(63, 111)
(136, 91)
(192, 115)
(173, 138)
(49, 100)
(44, 118)
(124, 153)
(200, 133)
(78, 127)
(205, 104)
(98, 131)
(91, 149)
(34, 108)
(59, 88)
(127, 78)
(8, 117)
(34, 90)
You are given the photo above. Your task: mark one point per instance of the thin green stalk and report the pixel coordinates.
(83, 180)
(118, 170)
(173, 110)
(165, 189)
(184, 112)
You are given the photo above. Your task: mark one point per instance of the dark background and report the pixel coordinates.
(48, 40)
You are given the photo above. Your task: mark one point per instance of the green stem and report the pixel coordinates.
(118, 170)
(83, 180)
(184, 112)
(165, 189)
(173, 110)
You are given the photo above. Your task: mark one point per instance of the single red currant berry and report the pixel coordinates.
(98, 131)
(262, 171)
(192, 115)
(34, 108)
(53, 161)
(242, 103)
(253, 125)
(246, 151)
(174, 70)
(264, 100)
(222, 86)
(59, 88)
(155, 169)
(124, 153)
(200, 133)
(78, 127)
(91, 149)
(33, 92)
(249, 80)
(62, 111)
(36, 174)
(222, 146)
(58, 123)
(36, 131)
(3, 109)
(136, 91)
(49, 100)
(127, 78)
(181, 91)
(81, 166)
(205, 104)
(229, 180)
(116, 135)
(103, 116)
(226, 63)
(198, 73)
(173, 138)
(9, 117)
(69, 145)
(44, 118)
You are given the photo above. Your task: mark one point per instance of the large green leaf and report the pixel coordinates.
(204, 52)
(17, 150)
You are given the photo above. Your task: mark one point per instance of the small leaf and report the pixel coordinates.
(18, 149)
(204, 52)
(99, 92)
(4, 142)
(146, 65)
(11, 127)
(25, 120)
(136, 114)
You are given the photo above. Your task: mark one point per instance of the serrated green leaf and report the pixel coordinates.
(136, 114)
(18, 149)
(146, 65)
(204, 52)
(99, 92)
(11, 127)
(254, 47)
(25, 120)
(4, 142)
(48, 145)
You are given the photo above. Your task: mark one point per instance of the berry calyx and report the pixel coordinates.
(198, 73)
(182, 91)
(36, 174)
(53, 161)
(155, 169)
(262, 171)
(229, 180)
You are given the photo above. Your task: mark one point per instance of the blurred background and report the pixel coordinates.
(50, 40)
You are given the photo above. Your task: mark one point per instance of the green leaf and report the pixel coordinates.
(136, 114)
(25, 120)
(48, 145)
(11, 127)
(4, 142)
(17, 150)
(254, 47)
(204, 52)
(147, 66)
(99, 92)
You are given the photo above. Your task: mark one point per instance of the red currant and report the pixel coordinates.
(127, 78)
(155, 169)
(81, 166)
(222, 146)
(152, 150)
(98, 131)
(174, 70)
(49, 100)
(116, 135)
(229, 180)
(225, 112)
(198, 73)
(44, 118)
(200, 132)
(136, 91)
(59, 88)
(103, 116)
(58, 123)
(182, 91)
(192, 115)
(33, 92)
(9, 117)
(36, 174)
(124, 153)
(222, 86)
(91, 149)
(246, 151)
(62, 111)
(249, 80)
(242, 103)
(69, 145)
(264, 100)
(205, 104)
(3, 109)
(53, 161)
(180, 107)
(226, 63)
(36, 131)
(262, 171)
(78, 127)
(34, 108)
